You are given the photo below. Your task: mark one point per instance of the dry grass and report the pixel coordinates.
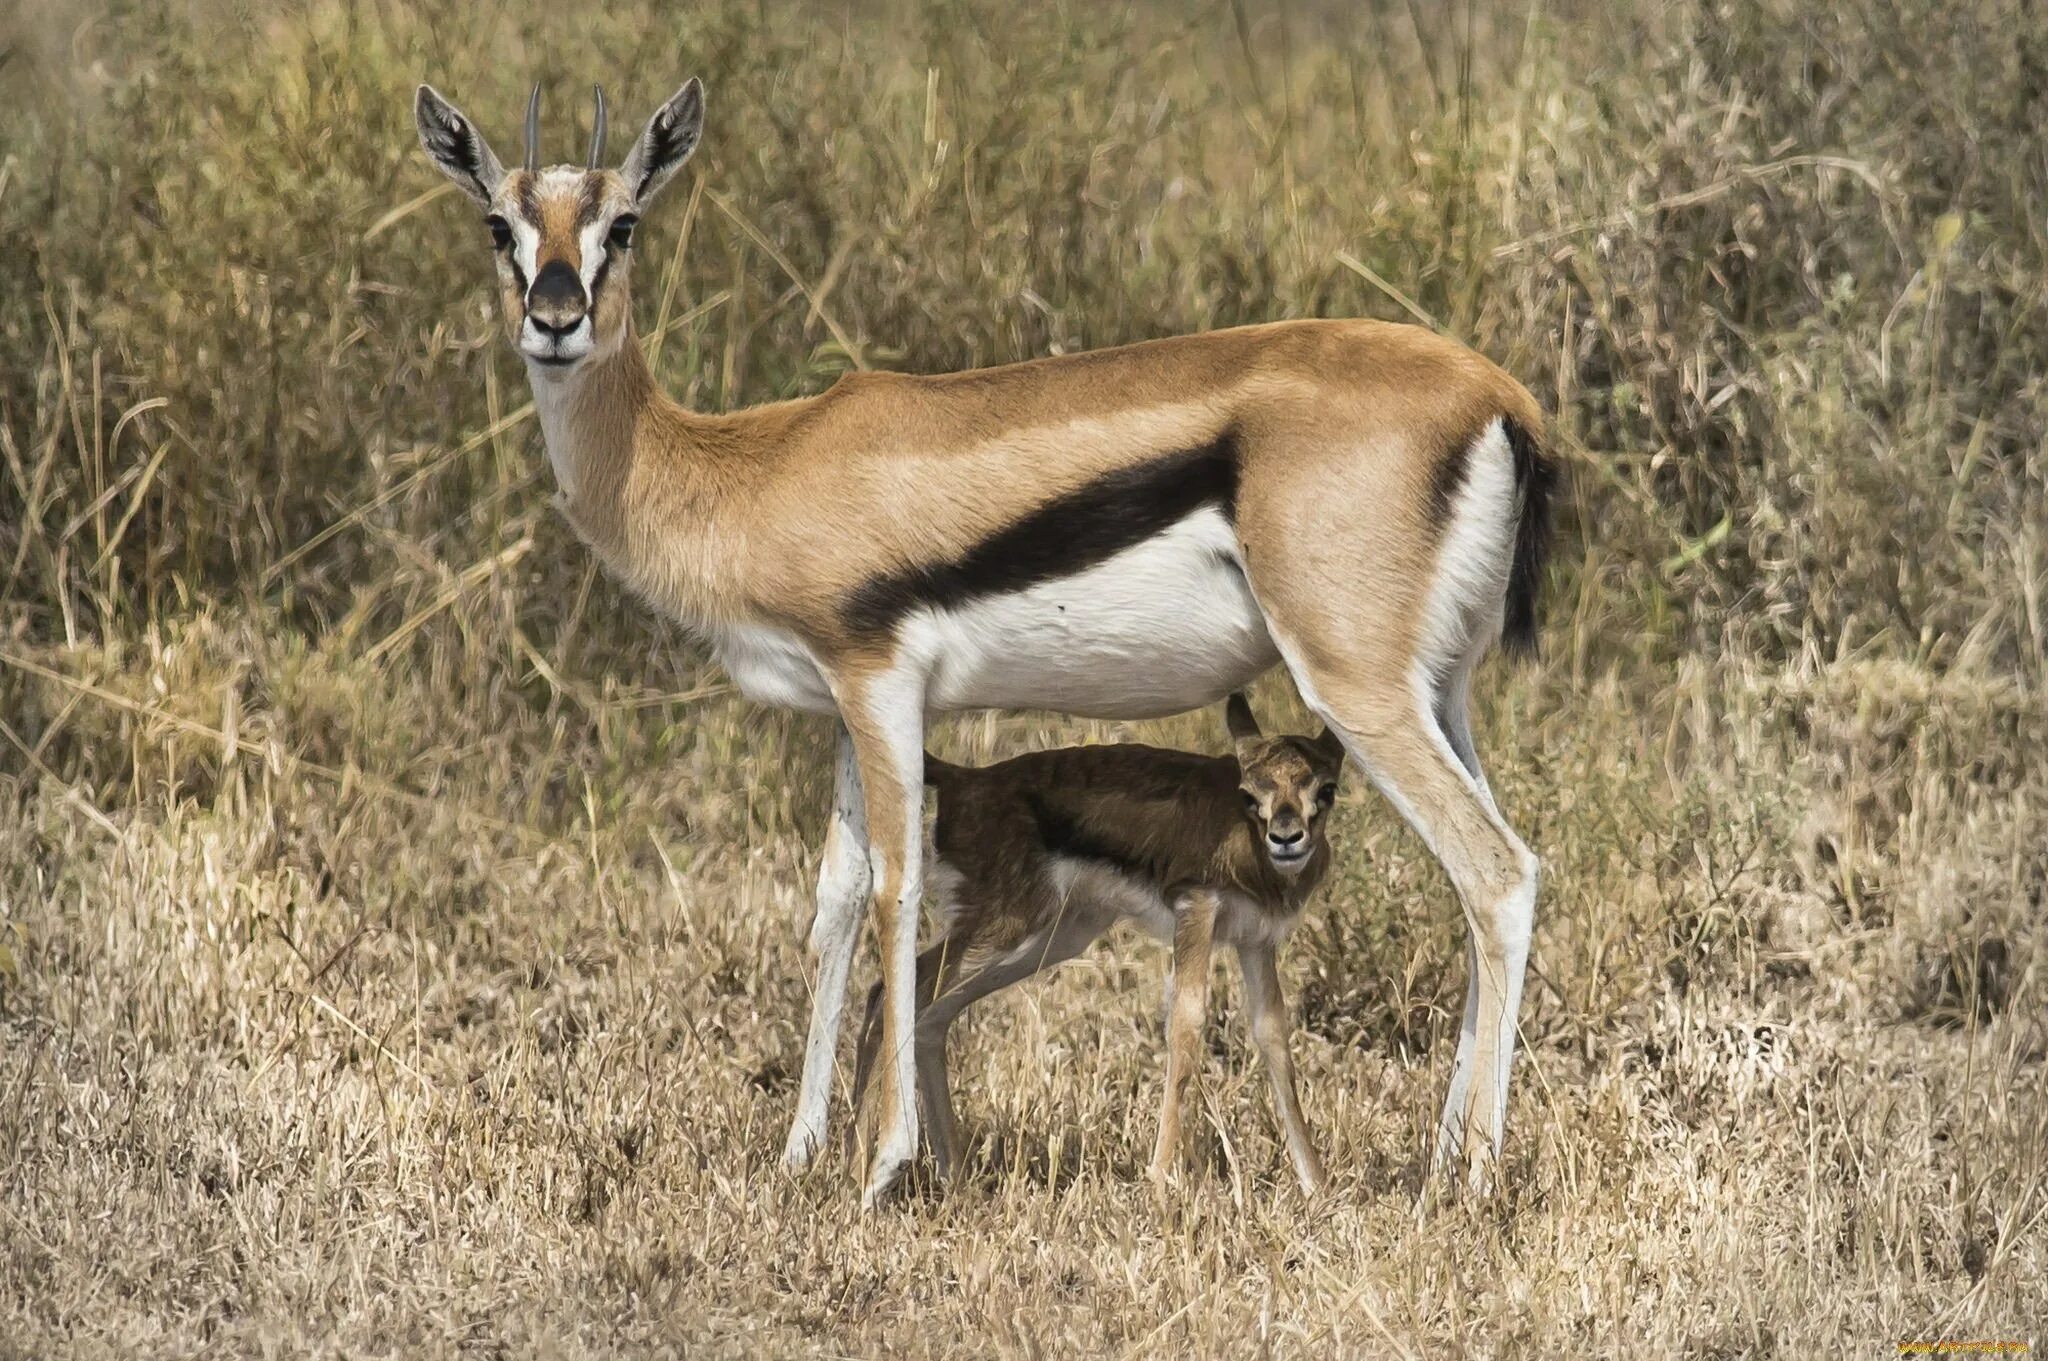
(400, 933)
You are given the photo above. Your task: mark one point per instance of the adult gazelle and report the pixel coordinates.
(1124, 533)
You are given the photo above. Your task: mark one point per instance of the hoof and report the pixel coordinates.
(885, 1177)
(802, 1147)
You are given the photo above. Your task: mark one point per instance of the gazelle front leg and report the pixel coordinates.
(1270, 1025)
(1194, 934)
(885, 715)
(843, 881)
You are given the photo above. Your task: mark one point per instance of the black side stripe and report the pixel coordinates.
(1062, 835)
(1067, 535)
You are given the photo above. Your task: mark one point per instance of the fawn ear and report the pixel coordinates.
(1330, 748)
(1237, 717)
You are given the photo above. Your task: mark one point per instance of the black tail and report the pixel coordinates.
(1535, 479)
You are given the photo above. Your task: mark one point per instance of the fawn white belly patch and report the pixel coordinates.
(1164, 626)
(1101, 894)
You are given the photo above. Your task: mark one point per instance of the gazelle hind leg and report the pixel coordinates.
(843, 882)
(1453, 715)
(1390, 729)
(1413, 764)
(1386, 666)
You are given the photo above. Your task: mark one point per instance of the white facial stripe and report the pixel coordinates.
(592, 241)
(525, 246)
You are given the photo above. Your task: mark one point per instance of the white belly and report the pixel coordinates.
(1165, 626)
(773, 667)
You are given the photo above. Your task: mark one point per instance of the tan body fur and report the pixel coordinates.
(777, 506)
(1361, 501)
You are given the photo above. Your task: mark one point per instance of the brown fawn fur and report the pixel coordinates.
(1036, 857)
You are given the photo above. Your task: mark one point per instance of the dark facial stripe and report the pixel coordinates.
(592, 202)
(529, 201)
(1065, 536)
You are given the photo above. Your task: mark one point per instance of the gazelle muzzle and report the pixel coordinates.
(557, 302)
(557, 310)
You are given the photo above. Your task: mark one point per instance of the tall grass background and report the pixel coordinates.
(401, 929)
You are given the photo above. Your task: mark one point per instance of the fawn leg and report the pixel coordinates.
(1054, 944)
(936, 968)
(1270, 1024)
(1194, 931)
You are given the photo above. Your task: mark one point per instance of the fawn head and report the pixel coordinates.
(1288, 784)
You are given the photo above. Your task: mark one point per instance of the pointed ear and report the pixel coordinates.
(670, 137)
(1330, 748)
(1237, 717)
(455, 145)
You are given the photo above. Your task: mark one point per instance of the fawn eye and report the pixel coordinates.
(1326, 795)
(501, 231)
(1251, 801)
(622, 231)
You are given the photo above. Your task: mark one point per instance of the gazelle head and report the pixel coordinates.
(562, 235)
(1289, 785)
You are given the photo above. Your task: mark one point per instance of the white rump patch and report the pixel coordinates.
(1462, 615)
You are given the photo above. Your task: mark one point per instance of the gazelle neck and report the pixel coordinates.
(590, 418)
(644, 481)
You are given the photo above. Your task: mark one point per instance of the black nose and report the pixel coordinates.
(556, 302)
(1288, 838)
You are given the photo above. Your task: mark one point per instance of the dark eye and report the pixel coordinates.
(622, 231)
(1251, 802)
(1326, 796)
(501, 231)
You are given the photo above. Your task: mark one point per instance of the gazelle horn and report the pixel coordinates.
(597, 129)
(533, 131)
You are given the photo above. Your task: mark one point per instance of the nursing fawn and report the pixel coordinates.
(1036, 857)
